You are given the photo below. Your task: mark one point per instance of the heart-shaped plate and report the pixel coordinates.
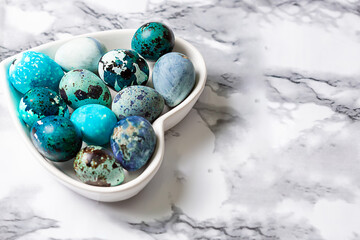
(135, 181)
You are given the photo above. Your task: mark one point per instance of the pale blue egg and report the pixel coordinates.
(173, 77)
(80, 53)
(95, 122)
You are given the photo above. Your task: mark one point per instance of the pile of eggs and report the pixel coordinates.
(67, 101)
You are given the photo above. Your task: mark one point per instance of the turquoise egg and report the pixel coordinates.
(33, 69)
(133, 142)
(81, 87)
(138, 101)
(38, 103)
(121, 68)
(80, 53)
(152, 40)
(97, 166)
(173, 77)
(56, 138)
(95, 122)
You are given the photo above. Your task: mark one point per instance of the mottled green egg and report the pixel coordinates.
(81, 87)
(97, 166)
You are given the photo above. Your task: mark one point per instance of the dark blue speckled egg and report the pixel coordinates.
(33, 69)
(80, 87)
(138, 101)
(95, 122)
(152, 40)
(133, 142)
(38, 103)
(121, 68)
(56, 138)
(174, 77)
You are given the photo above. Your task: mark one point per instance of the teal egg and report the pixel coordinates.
(152, 40)
(81, 87)
(133, 142)
(34, 69)
(95, 165)
(56, 138)
(121, 68)
(80, 53)
(38, 103)
(173, 77)
(138, 101)
(95, 122)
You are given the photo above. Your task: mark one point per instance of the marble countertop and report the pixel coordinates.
(270, 151)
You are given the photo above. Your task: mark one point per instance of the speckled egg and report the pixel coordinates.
(174, 77)
(152, 40)
(80, 87)
(80, 53)
(121, 68)
(133, 142)
(138, 101)
(33, 69)
(97, 166)
(56, 138)
(38, 103)
(95, 122)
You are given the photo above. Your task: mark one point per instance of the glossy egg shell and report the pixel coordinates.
(56, 138)
(121, 68)
(80, 87)
(138, 101)
(80, 53)
(97, 166)
(38, 103)
(133, 142)
(174, 77)
(95, 122)
(33, 69)
(152, 40)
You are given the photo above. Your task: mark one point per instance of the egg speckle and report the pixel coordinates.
(80, 53)
(138, 100)
(56, 138)
(97, 166)
(173, 77)
(133, 142)
(152, 40)
(95, 122)
(38, 103)
(80, 87)
(121, 68)
(33, 69)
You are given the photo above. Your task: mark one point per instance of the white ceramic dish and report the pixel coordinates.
(63, 172)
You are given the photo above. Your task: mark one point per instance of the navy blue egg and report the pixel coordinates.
(38, 103)
(56, 138)
(152, 40)
(133, 142)
(173, 77)
(34, 69)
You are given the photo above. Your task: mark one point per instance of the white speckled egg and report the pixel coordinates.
(80, 53)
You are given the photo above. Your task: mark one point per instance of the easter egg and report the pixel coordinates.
(138, 101)
(95, 122)
(38, 103)
(56, 138)
(133, 142)
(80, 53)
(33, 69)
(121, 68)
(97, 166)
(173, 77)
(152, 40)
(80, 87)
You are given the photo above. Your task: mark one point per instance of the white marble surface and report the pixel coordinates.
(270, 151)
